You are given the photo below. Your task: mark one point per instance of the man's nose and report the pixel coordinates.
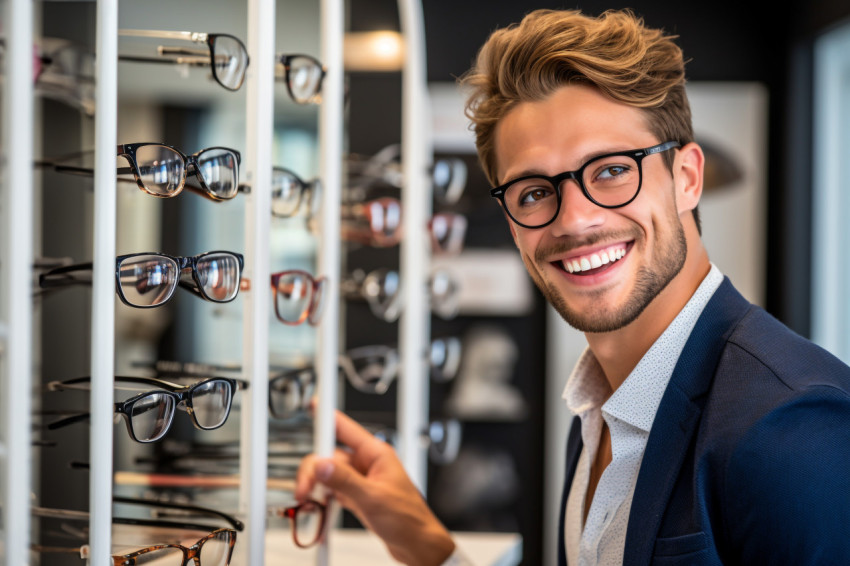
(577, 214)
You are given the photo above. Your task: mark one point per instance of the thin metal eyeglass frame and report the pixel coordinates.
(557, 180)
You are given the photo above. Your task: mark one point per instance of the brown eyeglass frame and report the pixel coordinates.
(292, 512)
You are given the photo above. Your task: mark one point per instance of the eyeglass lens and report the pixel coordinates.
(229, 61)
(161, 169)
(609, 181)
(289, 394)
(374, 368)
(292, 298)
(216, 550)
(151, 415)
(307, 521)
(211, 403)
(147, 280)
(219, 276)
(218, 168)
(305, 78)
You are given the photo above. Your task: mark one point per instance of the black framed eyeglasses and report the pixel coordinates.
(303, 75)
(225, 54)
(148, 415)
(163, 171)
(612, 180)
(290, 192)
(147, 280)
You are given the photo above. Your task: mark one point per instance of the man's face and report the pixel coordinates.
(643, 241)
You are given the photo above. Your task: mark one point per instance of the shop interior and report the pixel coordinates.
(766, 90)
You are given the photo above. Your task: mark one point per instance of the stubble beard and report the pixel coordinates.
(649, 282)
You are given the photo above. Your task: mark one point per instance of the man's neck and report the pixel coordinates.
(619, 351)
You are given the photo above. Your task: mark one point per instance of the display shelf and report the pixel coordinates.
(356, 547)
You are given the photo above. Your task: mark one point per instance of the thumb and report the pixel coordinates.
(342, 479)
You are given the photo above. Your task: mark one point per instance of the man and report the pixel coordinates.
(706, 432)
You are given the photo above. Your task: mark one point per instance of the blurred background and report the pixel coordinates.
(770, 92)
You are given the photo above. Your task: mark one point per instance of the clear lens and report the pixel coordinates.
(211, 403)
(147, 280)
(161, 169)
(307, 524)
(169, 556)
(229, 61)
(444, 294)
(218, 276)
(305, 79)
(384, 217)
(318, 303)
(374, 368)
(382, 290)
(612, 181)
(449, 178)
(217, 549)
(287, 393)
(445, 437)
(294, 292)
(219, 169)
(151, 414)
(445, 358)
(532, 202)
(286, 193)
(448, 230)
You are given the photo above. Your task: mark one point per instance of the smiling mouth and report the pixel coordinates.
(596, 262)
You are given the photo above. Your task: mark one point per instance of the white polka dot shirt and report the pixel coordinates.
(629, 413)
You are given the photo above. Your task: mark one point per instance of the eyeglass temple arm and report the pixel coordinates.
(83, 171)
(164, 34)
(62, 276)
(70, 383)
(61, 423)
(231, 520)
(195, 61)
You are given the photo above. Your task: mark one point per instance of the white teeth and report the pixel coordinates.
(594, 260)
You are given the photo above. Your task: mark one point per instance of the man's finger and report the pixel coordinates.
(342, 479)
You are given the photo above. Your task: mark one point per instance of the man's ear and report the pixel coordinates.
(688, 169)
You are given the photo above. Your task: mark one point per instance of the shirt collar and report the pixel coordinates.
(637, 399)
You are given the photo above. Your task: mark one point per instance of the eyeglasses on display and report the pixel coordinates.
(303, 75)
(612, 180)
(224, 54)
(381, 289)
(448, 174)
(163, 171)
(148, 416)
(378, 223)
(308, 520)
(298, 297)
(443, 437)
(290, 392)
(147, 280)
(290, 193)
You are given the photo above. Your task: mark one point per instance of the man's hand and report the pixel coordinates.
(370, 481)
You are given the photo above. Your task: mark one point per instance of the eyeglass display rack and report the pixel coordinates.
(18, 348)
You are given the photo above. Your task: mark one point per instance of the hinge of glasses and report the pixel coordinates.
(199, 37)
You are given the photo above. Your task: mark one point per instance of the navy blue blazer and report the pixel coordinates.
(748, 459)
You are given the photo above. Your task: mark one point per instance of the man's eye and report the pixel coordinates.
(612, 171)
(532, 195)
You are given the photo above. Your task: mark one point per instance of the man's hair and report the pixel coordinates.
(548, 49)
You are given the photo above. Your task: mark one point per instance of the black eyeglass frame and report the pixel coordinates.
(285, 59)
(125, 408)
(556, 181)
(208, 39)
(60, 276)
(128, 151)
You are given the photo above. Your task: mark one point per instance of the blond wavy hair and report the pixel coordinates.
(548, 49)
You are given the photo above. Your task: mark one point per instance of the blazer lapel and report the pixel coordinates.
(677, 420)
(574, 445)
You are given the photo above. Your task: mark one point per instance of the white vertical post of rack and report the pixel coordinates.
(331, 129)
(255, 336)
(103, 282)
(16, 282)
(415, 324)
